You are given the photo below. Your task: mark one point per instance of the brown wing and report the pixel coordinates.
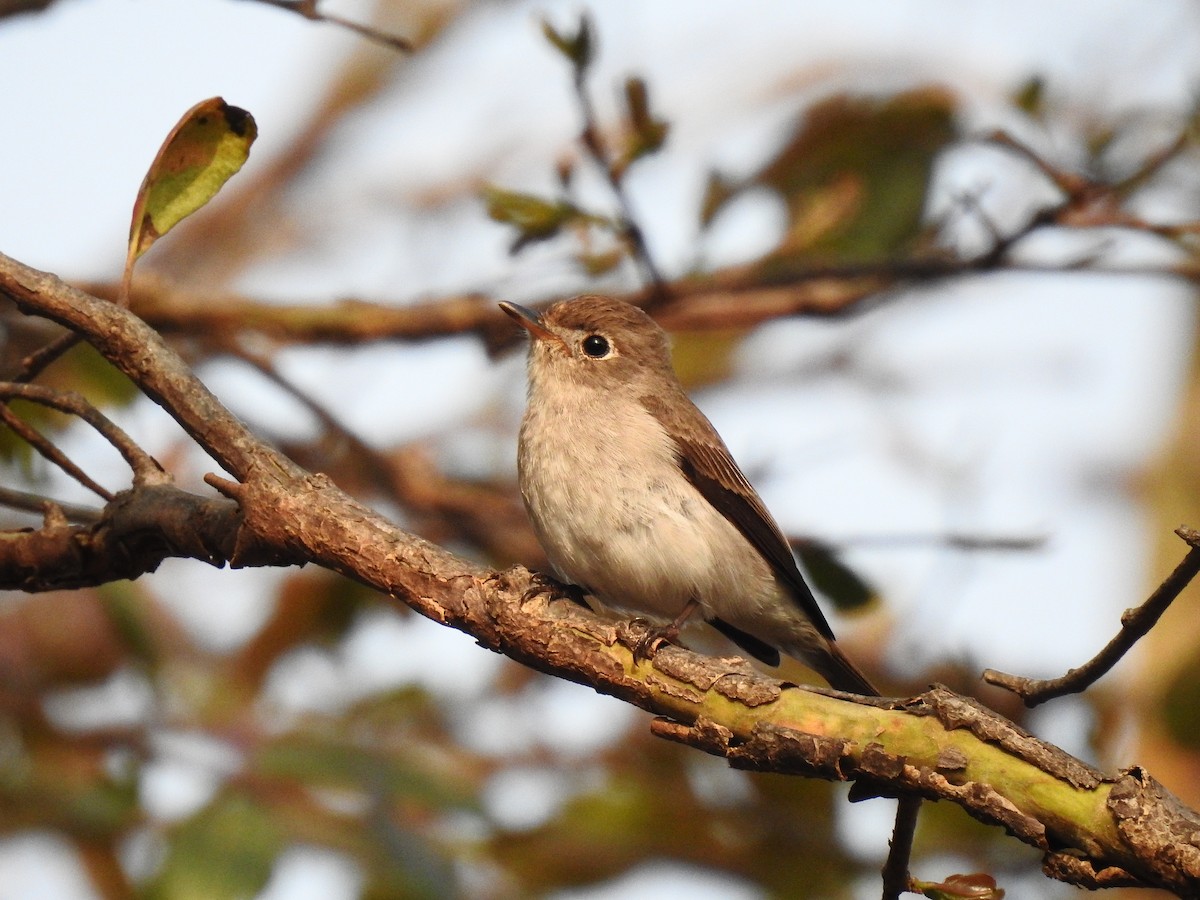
(707, 464)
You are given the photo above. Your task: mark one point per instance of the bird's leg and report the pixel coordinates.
(664, 634)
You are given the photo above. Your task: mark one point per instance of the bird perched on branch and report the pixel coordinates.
(636, 499)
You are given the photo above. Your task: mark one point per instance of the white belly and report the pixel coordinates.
(618, 518)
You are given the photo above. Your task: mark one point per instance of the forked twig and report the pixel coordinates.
(592, 142)
(1135, 624)
(146, 469)
(46, 449)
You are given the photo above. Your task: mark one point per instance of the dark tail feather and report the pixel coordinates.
(760, 650)
(842, 674)
(833, 665)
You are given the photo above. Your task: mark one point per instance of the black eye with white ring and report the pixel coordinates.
(596, 346)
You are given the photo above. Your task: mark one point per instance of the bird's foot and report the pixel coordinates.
(557, 590)
(653, 638)
(657, 635)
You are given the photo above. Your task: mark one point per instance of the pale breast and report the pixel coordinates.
(616, 515)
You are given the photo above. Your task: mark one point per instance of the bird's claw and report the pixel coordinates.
(652, 639)
(555, 589)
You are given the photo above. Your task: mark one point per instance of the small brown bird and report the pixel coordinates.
(636, 499)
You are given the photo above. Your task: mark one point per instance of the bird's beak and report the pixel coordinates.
(531, 322)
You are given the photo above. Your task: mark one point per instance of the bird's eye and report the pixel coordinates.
(595, 346)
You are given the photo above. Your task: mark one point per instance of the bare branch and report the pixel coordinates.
(15, 7)
(146, 469)
(132, 535)
(896, 878)
(15, 499)
(1091, 203)
(952, 539)
(733, 298)
(308, 9)
(46, 449)
(37, 362)
(1155, 163)
(1135, 624)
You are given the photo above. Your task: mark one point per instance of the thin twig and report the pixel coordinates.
(592, 142)
(46, 449)
(1092, 203)
(39, 360)
(1154, 163)
(378, 467)
(952, 540)
(14, 499)
(145, 467)
(896, 878)
(1135, 624)
(1067, 182)
(308, 9)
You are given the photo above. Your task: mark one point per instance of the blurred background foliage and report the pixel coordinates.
(174, 771)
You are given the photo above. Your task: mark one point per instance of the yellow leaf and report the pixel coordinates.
(207, 146)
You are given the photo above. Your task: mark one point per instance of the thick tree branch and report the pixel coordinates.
(133, 534)
(14, 7)
(441, 507)
(1093, 828)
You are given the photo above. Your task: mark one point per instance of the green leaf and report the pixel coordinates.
(832, 577)
(203, 151)
(1031, 97)
(535, 218)
(225, 851)
(855, 175)
(83, 369)
(717, 191)
(647, 134)
(129, 610)
(49, 783)
(597, 264)
(704, 357)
